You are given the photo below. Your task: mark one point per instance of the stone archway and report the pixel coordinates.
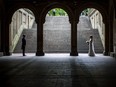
(104, 13)
(42, 20)
(73, 11)
(57, 32)
(7, 23)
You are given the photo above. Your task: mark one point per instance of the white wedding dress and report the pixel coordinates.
(91, 48)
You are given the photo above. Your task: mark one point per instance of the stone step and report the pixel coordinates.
(31, 41)
(64, 45)
(83, 36)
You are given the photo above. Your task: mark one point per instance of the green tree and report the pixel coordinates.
(57, 12)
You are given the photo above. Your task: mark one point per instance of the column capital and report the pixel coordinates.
(106, 20)
(39, 20)
(74, 20)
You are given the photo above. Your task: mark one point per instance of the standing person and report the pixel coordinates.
(91, 47)
(23, 45)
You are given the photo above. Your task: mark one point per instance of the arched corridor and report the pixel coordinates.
(40, 69)
(40, 20)
(90, 24)
(23, 23)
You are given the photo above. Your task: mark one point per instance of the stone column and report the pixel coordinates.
(5, 39)
(111, 36)
(1, 53)
(39, 38)
(73, 38)
(106, 44)
(0, 29)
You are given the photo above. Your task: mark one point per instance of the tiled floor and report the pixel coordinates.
(57, 70)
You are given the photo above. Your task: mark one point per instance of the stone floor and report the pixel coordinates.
(57, 70)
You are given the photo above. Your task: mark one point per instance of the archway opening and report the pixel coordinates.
(57, 32)
(23, 23)
(91, 23)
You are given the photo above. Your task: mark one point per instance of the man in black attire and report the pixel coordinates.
(23, 45)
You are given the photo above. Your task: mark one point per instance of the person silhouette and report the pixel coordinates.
(23, 45)
(91, 51)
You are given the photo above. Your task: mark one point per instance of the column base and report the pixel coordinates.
(112, 54)
(1, 53)
(106, 53)
(74, 54)
(39, 53)
(6, 53)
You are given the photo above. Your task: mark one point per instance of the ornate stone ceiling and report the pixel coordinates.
(36, 2)
(105, 1)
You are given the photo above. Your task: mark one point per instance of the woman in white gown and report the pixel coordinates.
(91, 47)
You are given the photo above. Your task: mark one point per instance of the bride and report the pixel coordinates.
(91, 46)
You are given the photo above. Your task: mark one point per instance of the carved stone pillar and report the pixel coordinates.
(5, 39)
(39, 38)
(111, 36)
(106, 44)
(0, 30)
(73, 38)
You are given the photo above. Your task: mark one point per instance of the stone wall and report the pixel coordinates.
(57, 34)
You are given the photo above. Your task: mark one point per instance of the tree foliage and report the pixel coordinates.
(57, 12)
(86, 11)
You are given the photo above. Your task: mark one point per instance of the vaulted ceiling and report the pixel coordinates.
(104, 2)
(37, 1)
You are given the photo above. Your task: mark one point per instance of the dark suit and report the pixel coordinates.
(23, 45)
